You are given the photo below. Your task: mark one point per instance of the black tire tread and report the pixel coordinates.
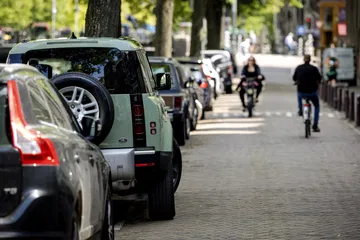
(161, 196)
(176, 150)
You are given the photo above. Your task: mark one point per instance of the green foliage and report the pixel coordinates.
(39, 11)
(143, 10)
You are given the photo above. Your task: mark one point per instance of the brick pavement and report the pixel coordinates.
(260, 178)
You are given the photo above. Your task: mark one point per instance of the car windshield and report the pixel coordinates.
(119, 71)
(162, 68)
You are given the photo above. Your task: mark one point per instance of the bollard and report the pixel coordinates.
(335, 97)
(357, 119)
(346, 103)
(352, 109)
(325, 92)
(340, 91)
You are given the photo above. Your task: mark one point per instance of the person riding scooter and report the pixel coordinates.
(251, 69)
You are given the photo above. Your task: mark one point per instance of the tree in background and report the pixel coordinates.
(214, 13)
(197, 24)
(103, 18)
(164, 23)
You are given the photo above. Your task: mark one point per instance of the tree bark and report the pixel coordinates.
(103, 18)
(164, 22)
(213, 17)
(197, 24)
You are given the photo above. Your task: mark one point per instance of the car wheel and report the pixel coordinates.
(203, 115)
(107, 232)
(177, 165)
(161, 196)
(86, 98)
(187, 128)
(193, 122)
(75, 225)
(180, 133)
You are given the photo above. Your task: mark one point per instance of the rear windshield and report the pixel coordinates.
(162, 68)
(119, 71)
(5, 134)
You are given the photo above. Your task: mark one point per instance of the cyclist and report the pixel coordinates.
(251, 69)
(307, 77)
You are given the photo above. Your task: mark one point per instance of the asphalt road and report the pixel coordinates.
(259, 178)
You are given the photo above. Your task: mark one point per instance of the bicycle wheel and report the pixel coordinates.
(307, 129)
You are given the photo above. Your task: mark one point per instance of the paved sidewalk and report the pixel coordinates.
(259, 178)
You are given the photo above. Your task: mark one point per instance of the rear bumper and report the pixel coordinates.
(45, 208)
(41, 215)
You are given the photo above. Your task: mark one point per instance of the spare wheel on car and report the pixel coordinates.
(87, 97)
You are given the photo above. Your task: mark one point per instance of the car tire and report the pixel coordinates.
(75, 226)
(161, 196)
(203, 115)
(194, 120)
(108, 232)
(187, 128)
(180, 133)
(93, 88)
(177, 165)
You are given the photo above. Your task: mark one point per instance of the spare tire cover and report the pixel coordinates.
(86, 96)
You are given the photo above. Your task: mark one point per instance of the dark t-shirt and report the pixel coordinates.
(307, 77)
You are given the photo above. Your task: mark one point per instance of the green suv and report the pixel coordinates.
(111, 80)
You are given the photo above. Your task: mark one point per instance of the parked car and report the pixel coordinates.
(54, 182)
(221, 59)
(206, 82)
(111, 79)
(178, 98)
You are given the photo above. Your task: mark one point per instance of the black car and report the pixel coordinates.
(54, 183)
(178, 99)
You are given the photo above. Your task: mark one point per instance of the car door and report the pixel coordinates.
(85, 159)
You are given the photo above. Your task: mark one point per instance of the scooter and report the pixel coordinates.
(250, 85)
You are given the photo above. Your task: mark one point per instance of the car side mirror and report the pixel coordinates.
(90, 127)
(163, 81)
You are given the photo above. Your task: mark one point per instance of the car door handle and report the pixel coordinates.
(91, 160)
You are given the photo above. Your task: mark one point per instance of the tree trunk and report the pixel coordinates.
(164, 22)
(213, 17)
(197, 24)
(103, 18)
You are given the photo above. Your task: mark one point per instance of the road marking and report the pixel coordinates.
(331, 115)
(268, 114)
(278, 113)
(321, 114)
(289, 114)
(225, 114)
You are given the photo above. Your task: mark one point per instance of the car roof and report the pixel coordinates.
(8, 69)
(193, 60)
(157, 59)
(123, 43)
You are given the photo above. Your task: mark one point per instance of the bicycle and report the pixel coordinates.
(307, 116)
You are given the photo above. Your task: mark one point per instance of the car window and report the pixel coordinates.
(5, 133)
(148, 76)
(119, 71)
(181, 73)
(39, 105)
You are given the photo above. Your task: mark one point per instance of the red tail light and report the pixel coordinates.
(178, 102)
(34, 148)
(204, 85)
(230, 70)
(139, 129)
